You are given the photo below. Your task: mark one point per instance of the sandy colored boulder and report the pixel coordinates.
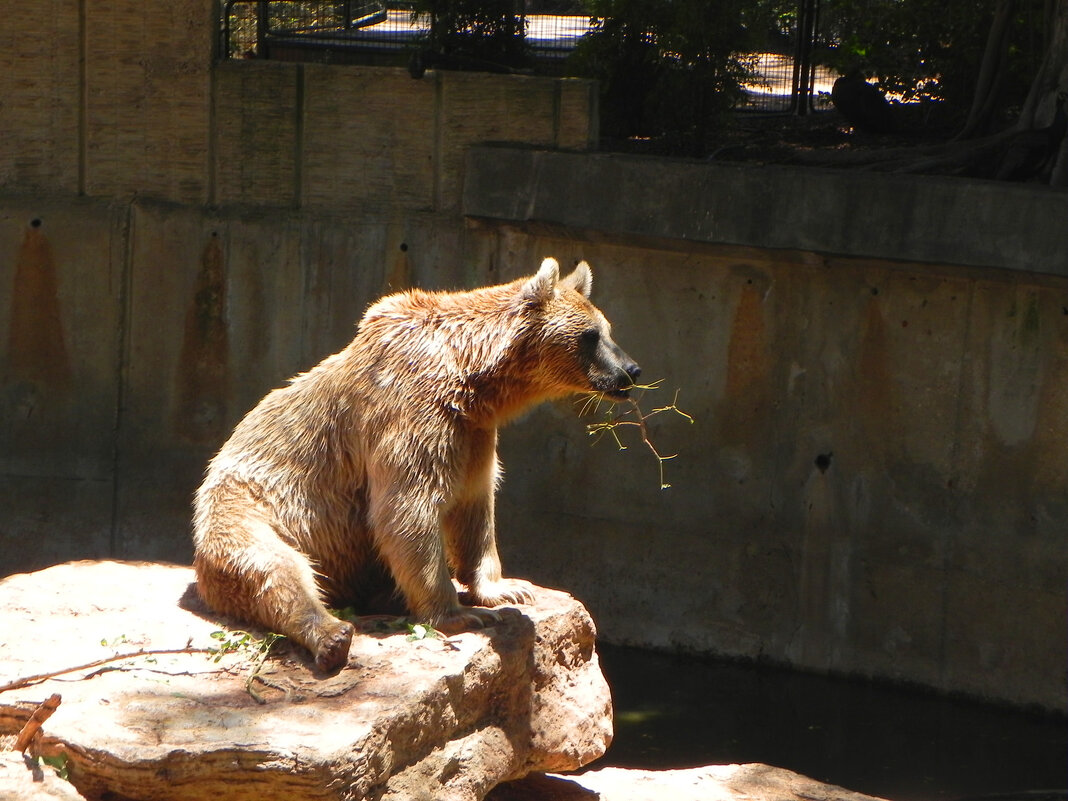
(407, 719)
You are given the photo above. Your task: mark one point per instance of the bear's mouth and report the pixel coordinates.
(615, 386)
(613, 389)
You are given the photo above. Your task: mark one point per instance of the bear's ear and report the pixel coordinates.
(540, 288)
(581, 279)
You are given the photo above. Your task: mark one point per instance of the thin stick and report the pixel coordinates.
(26, 681)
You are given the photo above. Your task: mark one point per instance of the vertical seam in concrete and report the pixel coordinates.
(213, 130)
(530, 212)
(298, 139)
(439, 136)
(83, 95)
(593, 116)
(558, 102)
(212, 139)
(948, 543)
(121, 373)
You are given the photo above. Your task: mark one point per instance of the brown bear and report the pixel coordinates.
(381, 462)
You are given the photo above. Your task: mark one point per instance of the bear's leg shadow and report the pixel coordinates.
(262, 579)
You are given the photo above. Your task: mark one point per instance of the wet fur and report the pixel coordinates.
(383, 459)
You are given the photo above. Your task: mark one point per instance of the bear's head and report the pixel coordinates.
(572, 341)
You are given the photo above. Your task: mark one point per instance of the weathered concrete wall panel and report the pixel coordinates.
(61, 269)
(873, 482)
(474, 112)
(936, 220)
(125, 101)
(834, 504)
(257, 133)
(137, 335)
(61, 273)
(148, 86)
(1013, 477)
(577, 123)
(368, 138)
(40, 87)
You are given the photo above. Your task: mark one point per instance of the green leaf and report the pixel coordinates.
(59, 763)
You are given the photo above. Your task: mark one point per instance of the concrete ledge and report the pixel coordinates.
(901, 217)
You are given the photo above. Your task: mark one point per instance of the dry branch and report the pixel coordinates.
(42, 713)
(27, 681)
(613, 421)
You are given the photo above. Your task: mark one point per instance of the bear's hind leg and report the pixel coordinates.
(271, 583)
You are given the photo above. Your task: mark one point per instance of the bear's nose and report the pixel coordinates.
(633, 371)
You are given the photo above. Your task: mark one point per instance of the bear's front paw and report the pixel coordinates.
(467, 618)
(333, 648)
(506, 591)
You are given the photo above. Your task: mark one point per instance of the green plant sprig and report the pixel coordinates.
(423, 631)
(256, 649)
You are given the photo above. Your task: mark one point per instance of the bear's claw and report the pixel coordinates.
(467, 619)
(508, 591)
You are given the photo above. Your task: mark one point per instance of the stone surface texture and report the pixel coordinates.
(407, 719)
(753, 782)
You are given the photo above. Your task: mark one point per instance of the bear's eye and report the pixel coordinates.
(589, 338)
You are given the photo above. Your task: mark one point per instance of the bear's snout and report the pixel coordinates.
(622, 375)
(628, 378)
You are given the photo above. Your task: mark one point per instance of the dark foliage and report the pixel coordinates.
(931, 50)
(670, 68)
(485, 35)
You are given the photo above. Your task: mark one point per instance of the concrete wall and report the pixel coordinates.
(183, 233)
(316, 136)
(124, 100)
(875, 481)
(133, 335)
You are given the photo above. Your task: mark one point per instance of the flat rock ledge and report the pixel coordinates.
(752, 782)
(406, 719)
(481, 715)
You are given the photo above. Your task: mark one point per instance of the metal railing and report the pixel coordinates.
(358, 31)
(250, 26)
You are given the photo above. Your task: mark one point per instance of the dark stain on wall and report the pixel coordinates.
(873, 391)
(203, 366)
(37, 371)
(747, 395)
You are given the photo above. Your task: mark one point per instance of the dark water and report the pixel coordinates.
(897, 743)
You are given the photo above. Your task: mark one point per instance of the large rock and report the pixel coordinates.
(423, 719)
(23, 778)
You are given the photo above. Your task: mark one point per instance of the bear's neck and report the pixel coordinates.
(465, 353)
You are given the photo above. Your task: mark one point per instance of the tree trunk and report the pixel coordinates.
(1044, 108)
(990, 70)
(1051, 80)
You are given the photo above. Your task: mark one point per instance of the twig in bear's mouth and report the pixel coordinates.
(634, 416)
